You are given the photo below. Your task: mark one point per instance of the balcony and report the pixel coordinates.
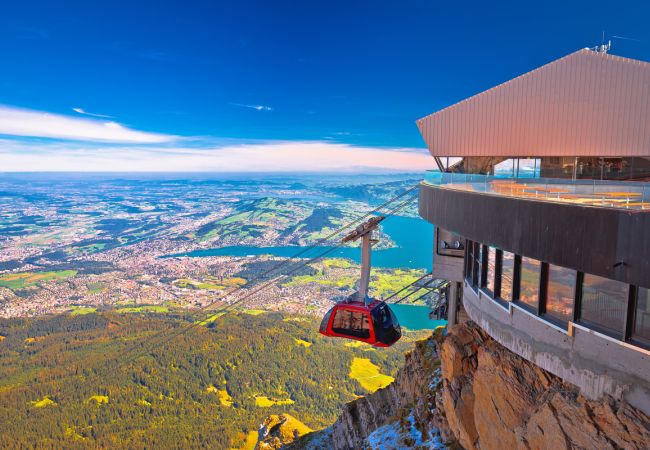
(627, 195)
(602, 228)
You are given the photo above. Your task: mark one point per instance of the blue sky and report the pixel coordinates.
(193, 78)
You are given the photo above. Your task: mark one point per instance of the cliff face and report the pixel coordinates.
(466, 390)
(399, 416)
(405, 403)
(494, 399)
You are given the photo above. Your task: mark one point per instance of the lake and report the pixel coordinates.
(415, 317)
(413, 237)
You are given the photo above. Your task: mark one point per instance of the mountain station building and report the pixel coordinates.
(541, 207)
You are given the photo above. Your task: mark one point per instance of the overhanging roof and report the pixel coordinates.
(585, 104)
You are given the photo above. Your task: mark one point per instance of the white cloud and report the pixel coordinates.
(278, 156)
(30, 123)
(256, 107)
(86, 113)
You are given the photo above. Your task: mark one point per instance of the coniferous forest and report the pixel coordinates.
(73, 380)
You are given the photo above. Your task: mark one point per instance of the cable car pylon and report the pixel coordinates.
(360, 317)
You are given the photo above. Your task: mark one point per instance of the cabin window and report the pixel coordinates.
(641, 330)
(385, 323)
(507, 275)
(560, 292)
(351, 323)
(603, 304)
(530, 281)
(326, 320)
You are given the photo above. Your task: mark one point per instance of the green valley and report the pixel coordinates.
(63, 381)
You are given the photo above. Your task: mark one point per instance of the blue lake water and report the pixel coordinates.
(415, 317)
(414, 239)
(413, 236)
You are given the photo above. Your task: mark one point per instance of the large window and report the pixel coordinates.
(507, 275)
(478, 258)
(469, 259)
(491, 269)
(641, 330)
(529, 285)
(604, 303)
(560, 292)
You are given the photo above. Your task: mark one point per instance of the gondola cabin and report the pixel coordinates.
(374, 323)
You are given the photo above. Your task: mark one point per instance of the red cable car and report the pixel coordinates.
(374, 324)
(358, 317)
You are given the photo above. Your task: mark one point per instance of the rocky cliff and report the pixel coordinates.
(399, 416)
(494, 399)
(466, 390)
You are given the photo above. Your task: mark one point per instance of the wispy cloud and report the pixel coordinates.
(30, 123)
(86, 113)
(272, 156)
(256, 107)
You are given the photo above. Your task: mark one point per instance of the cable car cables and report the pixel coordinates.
(164, 336)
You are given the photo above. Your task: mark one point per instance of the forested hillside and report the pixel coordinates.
(213, 386)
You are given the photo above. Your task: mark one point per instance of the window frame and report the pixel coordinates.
(622, 334)
(517, 300)
(630, 320)
(499, 298)
(543, 305)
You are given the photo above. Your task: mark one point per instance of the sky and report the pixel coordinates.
(267, 85)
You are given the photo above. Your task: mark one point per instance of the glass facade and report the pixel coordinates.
(641, 330)
(507, 275)
(491, 267)
(529, 284)
(478, 258)
(604, 303)
(560, 292)
(553, 292)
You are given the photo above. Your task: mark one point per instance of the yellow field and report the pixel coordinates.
(26, 279)
(81, 310)
(253, 312)
(289, 428)
(99, 399)
(339, 263)
(224, 398)
(360, 345)
(143, 309)
(368, 376)
(265, 402)
(210, 319)
(296, 319)
(303, 343)
(45, 401)
(250, 442)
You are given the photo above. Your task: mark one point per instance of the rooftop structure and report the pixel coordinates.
(543, 180)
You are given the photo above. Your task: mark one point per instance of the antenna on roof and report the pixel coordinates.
(603, 48)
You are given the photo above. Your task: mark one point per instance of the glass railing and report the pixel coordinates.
(603, 193)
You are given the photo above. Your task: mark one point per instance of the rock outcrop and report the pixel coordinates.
(279, 430)
(405, 408)
(466, 390)
(494, 399)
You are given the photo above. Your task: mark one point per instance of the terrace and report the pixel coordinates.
(606, 194)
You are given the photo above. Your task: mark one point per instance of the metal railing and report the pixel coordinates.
(631, 195)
